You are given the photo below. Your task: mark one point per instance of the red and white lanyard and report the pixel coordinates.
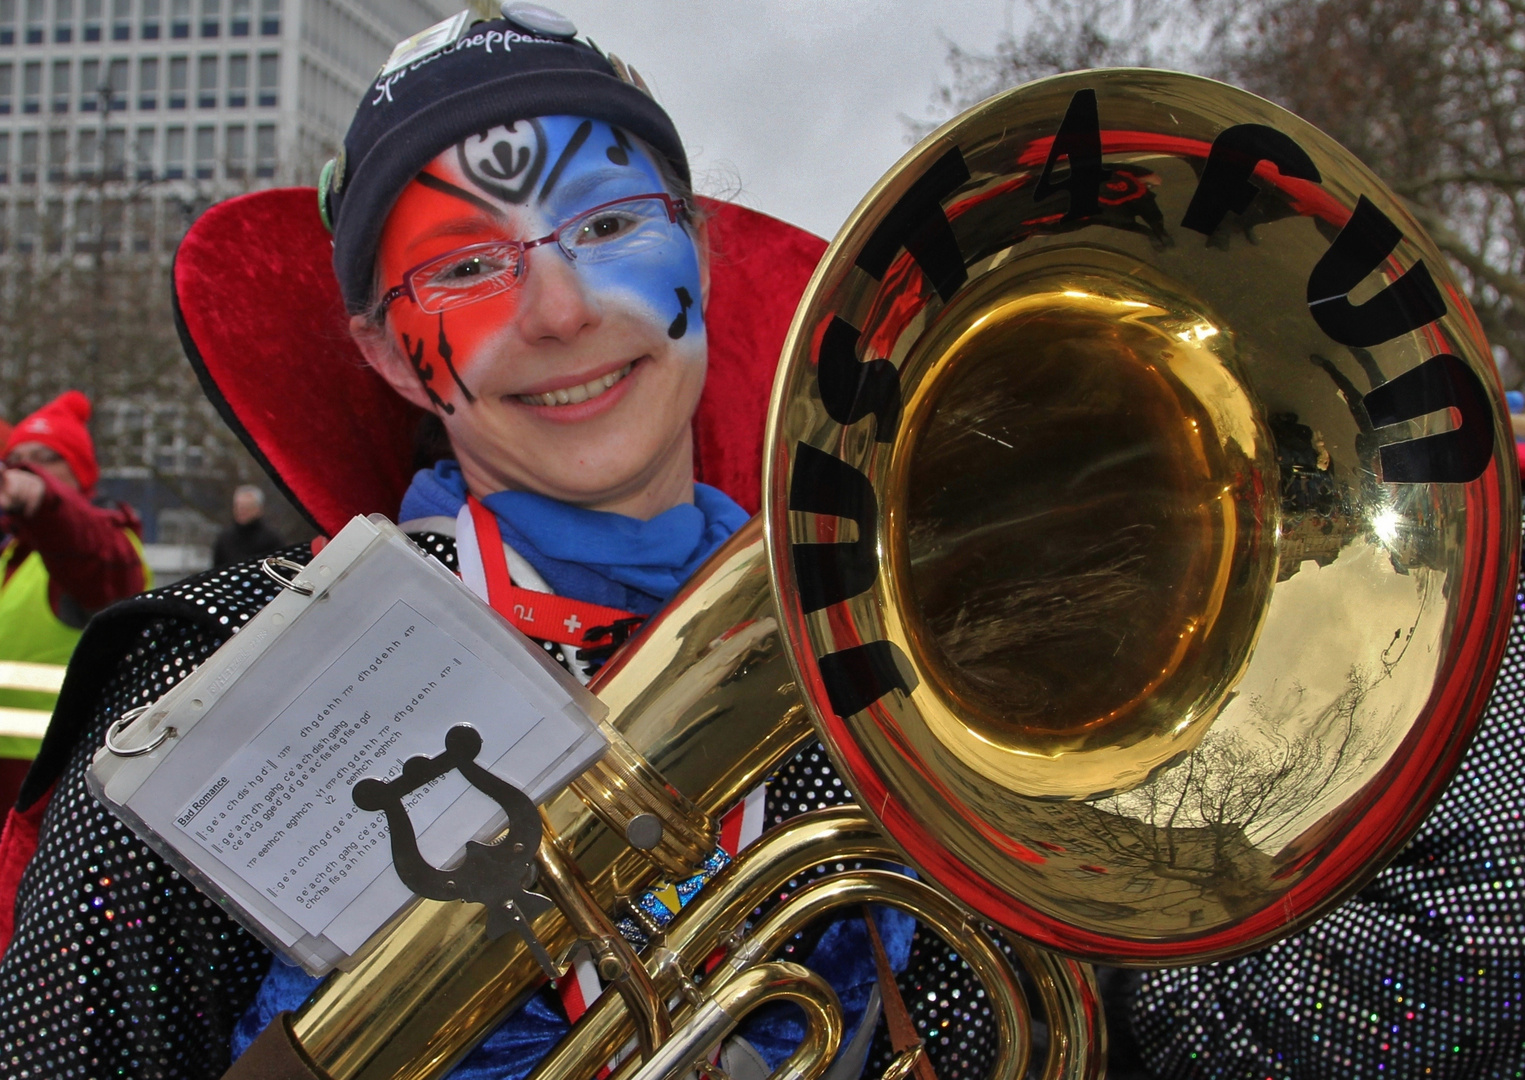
(547, 617)
(540, 615)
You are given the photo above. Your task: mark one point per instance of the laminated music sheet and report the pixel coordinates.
(241, 775)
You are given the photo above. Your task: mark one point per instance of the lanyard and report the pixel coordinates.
(544, 616)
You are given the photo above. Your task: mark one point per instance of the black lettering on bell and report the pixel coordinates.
(1079, 140)
(824, 484)
(856, 678)
(1225, 183)
(1365, 242)
(1457, 456)
(917, 223)
(851, 390)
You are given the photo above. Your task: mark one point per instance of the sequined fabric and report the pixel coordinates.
(1421, 974)
(941, 993)
(118, 966)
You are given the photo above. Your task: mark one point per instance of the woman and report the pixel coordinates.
(520, 258)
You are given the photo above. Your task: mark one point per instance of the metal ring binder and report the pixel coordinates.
(274, 564)
(122, 724)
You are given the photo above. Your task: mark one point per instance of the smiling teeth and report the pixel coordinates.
(574, 394)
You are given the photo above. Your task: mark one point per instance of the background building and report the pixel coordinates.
(120, 121)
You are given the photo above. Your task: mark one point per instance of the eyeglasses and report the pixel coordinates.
(611, 230)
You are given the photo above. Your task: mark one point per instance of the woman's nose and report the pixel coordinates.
(556, 303)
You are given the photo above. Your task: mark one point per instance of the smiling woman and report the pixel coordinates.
(553, 328)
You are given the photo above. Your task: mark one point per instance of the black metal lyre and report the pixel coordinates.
(498, 876)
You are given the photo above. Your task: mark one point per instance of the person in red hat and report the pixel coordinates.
(64, 557)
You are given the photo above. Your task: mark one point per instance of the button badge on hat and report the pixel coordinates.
(535, 19)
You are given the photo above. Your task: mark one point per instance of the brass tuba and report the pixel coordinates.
(1139, 528)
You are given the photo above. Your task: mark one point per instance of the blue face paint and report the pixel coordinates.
(556, 167)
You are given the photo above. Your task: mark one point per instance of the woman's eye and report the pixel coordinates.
(468, 271)
(605, 227)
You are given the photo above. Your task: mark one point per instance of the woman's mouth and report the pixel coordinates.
(573, 395)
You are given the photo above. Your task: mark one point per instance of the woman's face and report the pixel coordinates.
(578, 381)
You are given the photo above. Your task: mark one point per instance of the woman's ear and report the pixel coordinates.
(382, 353)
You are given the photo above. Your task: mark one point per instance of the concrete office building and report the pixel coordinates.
(121, 119)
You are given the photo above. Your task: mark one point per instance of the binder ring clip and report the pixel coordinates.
(274, 564)
(122, 724)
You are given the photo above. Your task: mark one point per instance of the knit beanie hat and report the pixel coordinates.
(60, 426)
(455, 80)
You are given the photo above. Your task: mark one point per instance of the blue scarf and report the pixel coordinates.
(603, 558)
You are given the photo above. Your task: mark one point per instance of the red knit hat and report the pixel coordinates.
(60, 426)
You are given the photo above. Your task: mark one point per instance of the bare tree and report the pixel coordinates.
(1429, 93)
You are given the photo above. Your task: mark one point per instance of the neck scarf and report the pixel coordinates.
(592, 555)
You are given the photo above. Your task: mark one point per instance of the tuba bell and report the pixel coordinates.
(1139, 526)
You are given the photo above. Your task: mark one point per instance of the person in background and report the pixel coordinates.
(62, 557)
(65, 556)
(250, 535)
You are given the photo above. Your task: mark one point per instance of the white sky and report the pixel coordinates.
(798, 101)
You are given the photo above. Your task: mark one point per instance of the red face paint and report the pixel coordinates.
(424, 224)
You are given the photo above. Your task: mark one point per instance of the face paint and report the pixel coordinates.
(543, 368)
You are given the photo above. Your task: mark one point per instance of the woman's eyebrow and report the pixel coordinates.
(576, 189)
(445, 187)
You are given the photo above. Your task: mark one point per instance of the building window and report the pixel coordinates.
(89, 85)
(7, 86)
(179, 79)
(148, 83)
(116, 154)
(121, 20)
(269, 78)
(237, 148)
(89, 151)
(62, 70)
(63, 21)
(270, 17)
(31, 145)
(150, 20)
(143, 153)
(31, 87)
(5, 157)
(34, 19)
(238, 17)
(211, 18)
(7, 22)
(264, 150)
(58, 156)
(180, 18)
(86, 226)
(206, 153)
(238, 80)
(26, 226)
(116, 81)
(113, 213)
(206, 82)
(53, 226)
(141, 225)
(92, 30)
(5, 221)
(174, 153)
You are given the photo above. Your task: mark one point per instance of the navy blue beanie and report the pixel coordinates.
(493, 74)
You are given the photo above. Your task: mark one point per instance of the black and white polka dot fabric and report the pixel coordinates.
(118, 966)
(1420, 975)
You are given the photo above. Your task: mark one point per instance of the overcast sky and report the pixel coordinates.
(797, 101)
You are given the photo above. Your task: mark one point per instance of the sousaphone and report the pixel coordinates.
(1140, 524)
